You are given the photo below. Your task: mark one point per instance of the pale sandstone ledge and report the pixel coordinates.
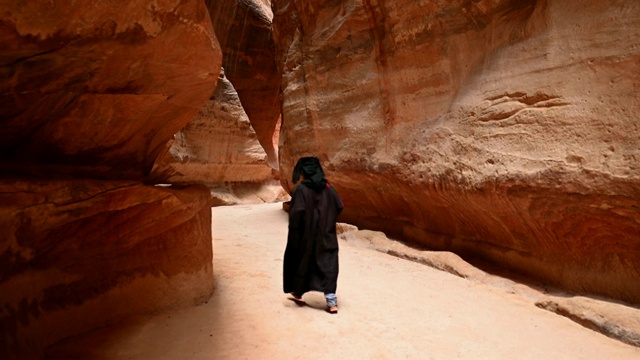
(217, 146)
(248, 193)
(81, 254)
(502, 130)
(220, 149)
(244, 29)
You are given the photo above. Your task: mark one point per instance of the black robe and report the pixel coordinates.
(311, 255)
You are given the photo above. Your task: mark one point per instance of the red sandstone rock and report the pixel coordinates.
(217, 146)
(244, 29)
(504, 130)
(97, 88)
(81, 254)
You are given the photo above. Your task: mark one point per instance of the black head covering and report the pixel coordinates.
(312, 171)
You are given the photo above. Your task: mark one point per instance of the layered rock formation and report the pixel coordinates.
(91, 91)
(217, 146)
(244, 30)
(80, 254)
(220, 149)
(118, 78)
(501, 130)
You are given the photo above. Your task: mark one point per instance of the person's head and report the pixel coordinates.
(308, 168)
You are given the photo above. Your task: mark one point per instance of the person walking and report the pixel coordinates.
(311, 254)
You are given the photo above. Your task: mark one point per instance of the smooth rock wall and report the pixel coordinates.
(244, 29)
(218, 146)
(93, 90)
(81, 254)
(503, 130)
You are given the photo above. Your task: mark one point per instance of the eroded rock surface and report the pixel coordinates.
(217, 146)
(244, 29)
(89, 91)
(81, 254)
(504, 130)
(97, 88)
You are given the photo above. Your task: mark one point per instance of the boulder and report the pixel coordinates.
(501, 130)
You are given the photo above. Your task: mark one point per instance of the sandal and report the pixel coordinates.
(332, 309)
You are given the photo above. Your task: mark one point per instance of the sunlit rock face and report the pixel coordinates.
(503, 130)
(89, 91)
(244, 29)
(97, 88)
(217, 146)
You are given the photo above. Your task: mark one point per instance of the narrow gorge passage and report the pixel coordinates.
(390, 308)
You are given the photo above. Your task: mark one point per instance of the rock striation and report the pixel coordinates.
(501, 130)
(90, 93)
(81, 254)
(244, 29)
(96, 89)
(217, 146)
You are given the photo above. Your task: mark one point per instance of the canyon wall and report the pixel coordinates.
(244, 29)
(502, 130)
(91, 93)
(118, 78)
(79, 254)
(217, 146)
(220, 149)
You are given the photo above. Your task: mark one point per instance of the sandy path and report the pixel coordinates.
(389, 309)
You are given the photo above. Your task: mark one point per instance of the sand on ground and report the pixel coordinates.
(389, 308)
